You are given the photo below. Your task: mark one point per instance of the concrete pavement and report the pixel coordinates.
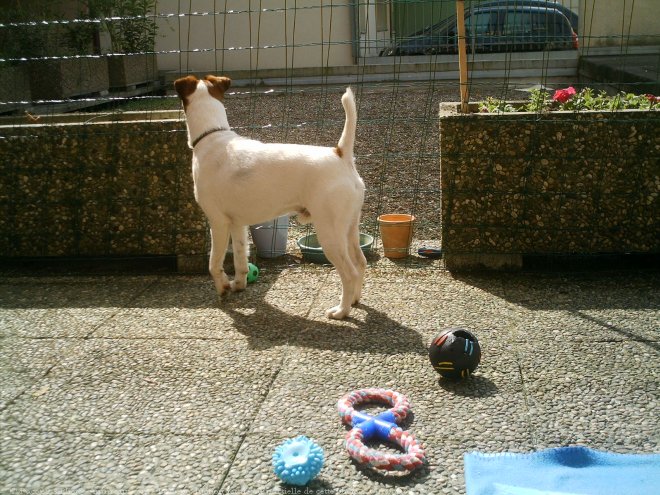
(146, 384)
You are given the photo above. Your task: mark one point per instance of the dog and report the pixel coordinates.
(241, 182)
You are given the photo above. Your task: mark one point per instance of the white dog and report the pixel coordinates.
(240, 182)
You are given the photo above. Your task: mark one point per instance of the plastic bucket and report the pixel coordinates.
(396, 233)
(270, 237)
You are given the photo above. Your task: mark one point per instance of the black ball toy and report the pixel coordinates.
(455, 353)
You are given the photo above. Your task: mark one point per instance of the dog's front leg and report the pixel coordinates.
(240, 247)
(219, 241)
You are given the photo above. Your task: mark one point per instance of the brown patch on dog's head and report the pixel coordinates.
(217, 85)
(185, 86)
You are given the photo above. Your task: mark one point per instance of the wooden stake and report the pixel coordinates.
(462, 55)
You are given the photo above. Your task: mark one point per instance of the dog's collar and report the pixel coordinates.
(204, 134)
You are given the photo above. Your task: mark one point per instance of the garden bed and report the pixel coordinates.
(560, 182)
(94, 185)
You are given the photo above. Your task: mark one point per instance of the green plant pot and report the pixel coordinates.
(313, 252)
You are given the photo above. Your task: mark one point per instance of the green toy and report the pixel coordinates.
(253, 273)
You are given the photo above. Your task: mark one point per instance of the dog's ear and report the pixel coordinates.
(185, 86)
(219, 84)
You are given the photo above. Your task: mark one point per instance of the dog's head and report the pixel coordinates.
(190, 89)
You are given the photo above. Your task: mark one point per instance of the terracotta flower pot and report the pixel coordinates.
(396, 234)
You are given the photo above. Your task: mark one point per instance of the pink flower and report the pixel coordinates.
(563, 95)
(652, 98)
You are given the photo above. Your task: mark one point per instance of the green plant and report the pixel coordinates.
(588, 100)
(22, 37)
(538, 100)
(129, 23)
(495, 105)
(570, 99)
(80, 35)
(39, 28)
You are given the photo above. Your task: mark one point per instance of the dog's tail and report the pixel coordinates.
(347, 140)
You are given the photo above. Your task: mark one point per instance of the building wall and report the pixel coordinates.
(619, 23)
(253, 34)
(281, 34)
(410, 17)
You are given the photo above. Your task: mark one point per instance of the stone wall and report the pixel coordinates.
(557, 183)
(98, 189)
(511, 184)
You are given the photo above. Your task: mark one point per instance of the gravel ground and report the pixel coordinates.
(397, 147)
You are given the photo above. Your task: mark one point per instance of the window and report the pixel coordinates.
(518, 23)
(482, 23)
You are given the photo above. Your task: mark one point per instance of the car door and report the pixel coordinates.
(484, 30)
(518, 28)
(537, 29)
(443, 37)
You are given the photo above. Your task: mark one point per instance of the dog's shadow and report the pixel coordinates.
(266, 325)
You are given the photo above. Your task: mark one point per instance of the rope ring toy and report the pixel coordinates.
(383, 427)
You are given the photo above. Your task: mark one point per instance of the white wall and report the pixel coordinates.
(253, 34)
(278, 34)
(619, 22)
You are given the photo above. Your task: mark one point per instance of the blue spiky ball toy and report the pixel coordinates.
(297, 461)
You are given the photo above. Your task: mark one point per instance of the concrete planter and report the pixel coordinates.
(557, 183)
(68, 78)
(14, 86)
(129, 71)
(101, 188)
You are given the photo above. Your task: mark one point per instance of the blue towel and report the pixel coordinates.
(562, 471)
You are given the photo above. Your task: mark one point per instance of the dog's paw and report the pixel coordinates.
(337, 313)
(237, 285)
(221, 282)
(221, 289)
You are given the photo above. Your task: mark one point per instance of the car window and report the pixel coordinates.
(445, 28)
(558, 26)
(537, 23)
(442, 27)
(482, 23)
(518, 23)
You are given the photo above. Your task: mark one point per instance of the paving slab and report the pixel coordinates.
(585, 306)
(53, 462)
(603, 394)
(151, 384)
(174, 387)
(62, 307)
(24, 362)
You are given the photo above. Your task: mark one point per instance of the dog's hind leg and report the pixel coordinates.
(219, 241)
(336, 250)
(358, 259)
(239, 244)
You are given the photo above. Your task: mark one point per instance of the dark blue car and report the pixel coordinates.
(546, 4)
(494, 28)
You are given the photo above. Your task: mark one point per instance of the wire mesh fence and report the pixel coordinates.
(99, 60)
